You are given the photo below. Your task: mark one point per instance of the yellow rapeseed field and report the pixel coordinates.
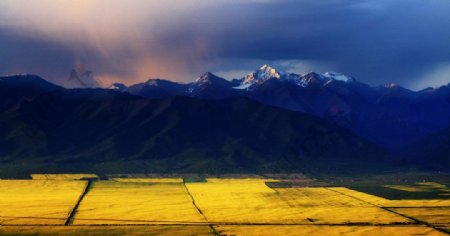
(323, 205)
(274, 230)
(251, 201)
(62, 176)
(110, 202)
(241, 201)
(149, 180)
(432, 215)
(382, 202)
(159, 230)
(38, 201)
(169, 206)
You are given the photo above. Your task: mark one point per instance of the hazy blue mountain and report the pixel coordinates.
(432, 152)
(22, 87)
(210, 86)
(389, 115)
(116, 132)
(158, 88)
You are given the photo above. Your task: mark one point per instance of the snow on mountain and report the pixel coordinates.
(338, 76)
(267, 72)
(263, 74)
(387, 115)
(117, 86)
(311, 79)
(210, 86)
(391, 86)
(202, 82)
(243, 86)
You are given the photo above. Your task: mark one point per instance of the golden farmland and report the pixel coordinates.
(170, 206)
(110, 202)
(63, 176)
(29, 202)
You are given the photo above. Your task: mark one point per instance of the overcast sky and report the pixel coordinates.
(377, 41)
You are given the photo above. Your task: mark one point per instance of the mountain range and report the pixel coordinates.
(268, 121)
(389, 115)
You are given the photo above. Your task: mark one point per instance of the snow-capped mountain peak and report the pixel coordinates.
(266, 72)
(153, 82)
(338, 76)
(308, 79)
(391, 85)
(263, 74)
(118, 86)
(205, 78)
(208, 80)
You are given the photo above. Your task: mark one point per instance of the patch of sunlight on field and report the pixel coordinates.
(327, 230)
(110, 202)
(241, 201)
(437, 215)
(149, 180)
(241, 181)
(38, 201)
(420, 187)
(163, 230)
(62, 176)
(322, 205)
(251, 201)
(382, 202)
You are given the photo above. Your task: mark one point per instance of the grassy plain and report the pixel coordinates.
(39, 202)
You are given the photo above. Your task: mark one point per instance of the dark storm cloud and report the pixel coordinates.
(377, 41)
(25, 55)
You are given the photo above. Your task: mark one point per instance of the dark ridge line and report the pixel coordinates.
(394, 212)
(71, 217)
(211, 226)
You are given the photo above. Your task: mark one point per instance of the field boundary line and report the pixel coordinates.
(211, 226)
(72, 214)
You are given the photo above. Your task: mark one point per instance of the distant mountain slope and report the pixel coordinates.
(157, 88)
(14, 89)
(95, 128)
(431, 152)
(389, 115)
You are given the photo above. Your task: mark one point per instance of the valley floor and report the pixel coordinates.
(232, 205)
